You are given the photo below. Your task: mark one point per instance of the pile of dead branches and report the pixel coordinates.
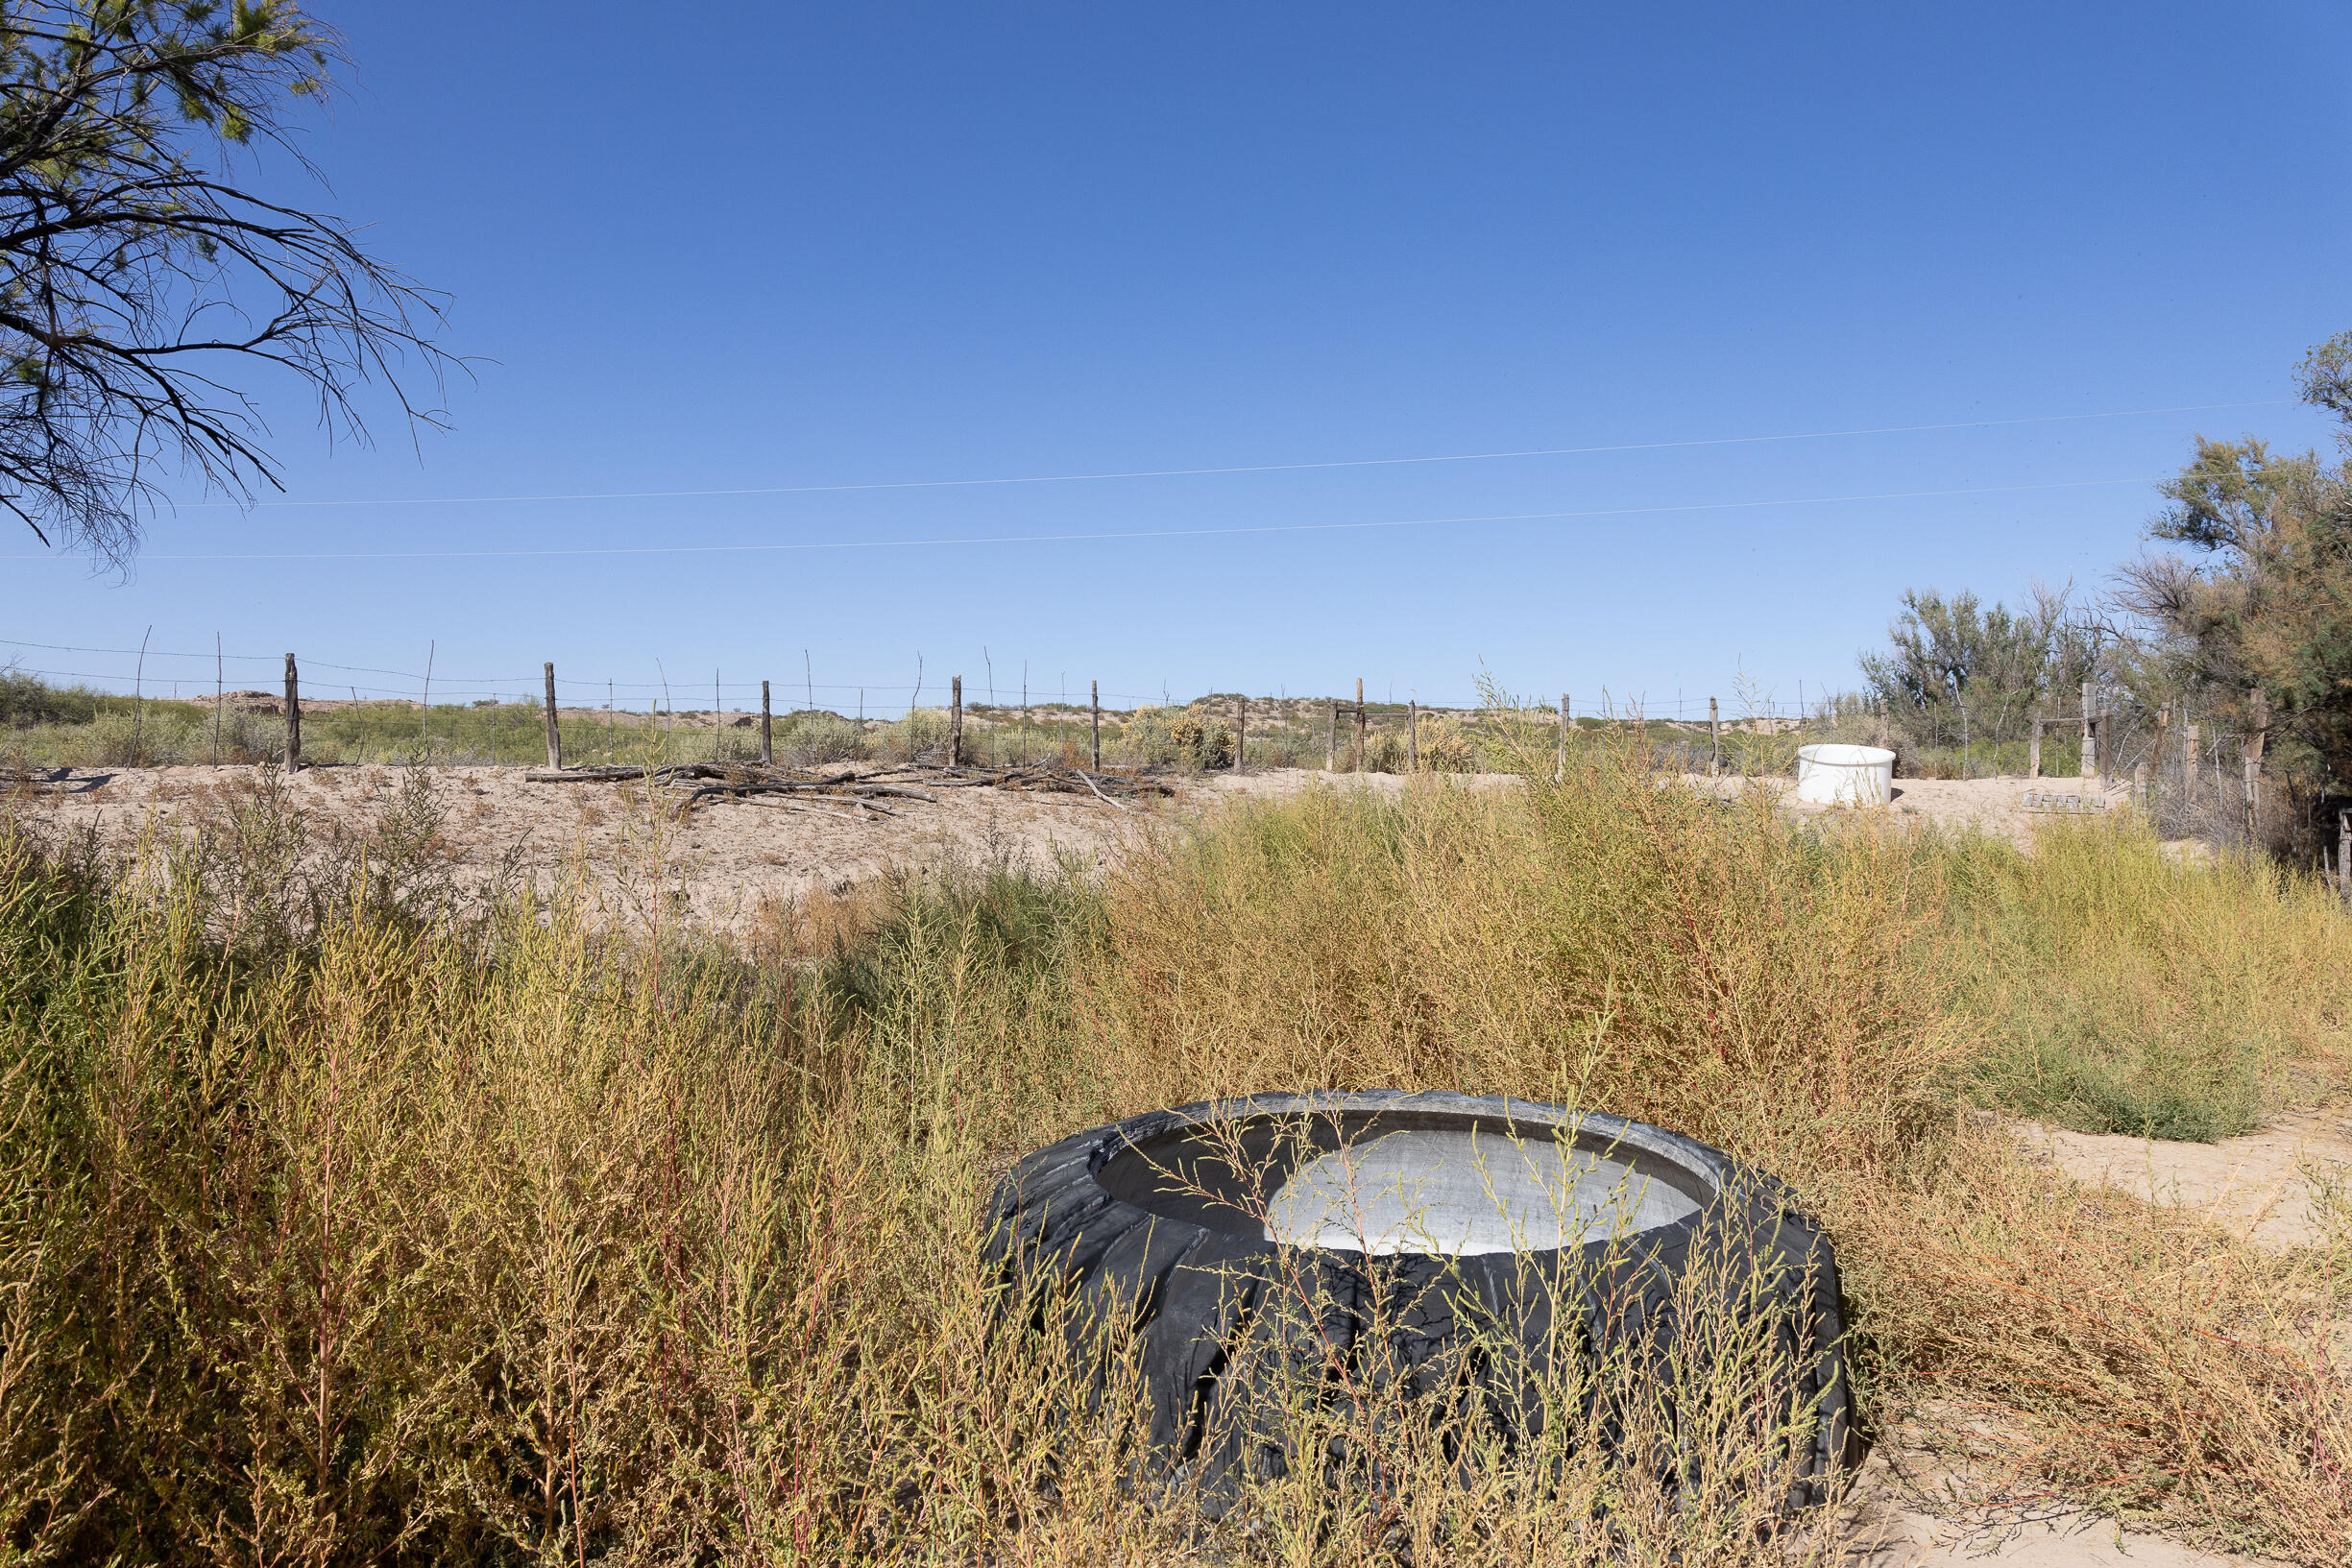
(863, 790)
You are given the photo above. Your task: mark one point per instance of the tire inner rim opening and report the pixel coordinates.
(1466, 1192)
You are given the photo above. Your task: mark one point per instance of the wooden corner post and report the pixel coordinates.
(555, 735)
(954, 721)
(1413, 735)
(294, 718)
(1094, 696)
(1240, 733)
(1714, 739)
(767, 729)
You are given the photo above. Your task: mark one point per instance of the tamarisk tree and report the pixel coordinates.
(146, 292)
(2266, 603)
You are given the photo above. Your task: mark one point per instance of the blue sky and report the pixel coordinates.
(781, 246)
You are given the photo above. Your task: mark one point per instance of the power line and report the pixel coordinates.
(1132, 533)
(1249, 467)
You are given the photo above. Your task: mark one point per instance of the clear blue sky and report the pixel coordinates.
(758, 247)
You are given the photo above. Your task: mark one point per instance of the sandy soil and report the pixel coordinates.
(735, 856)
(2258, 1187)
(1887, 1534)
(731, 857)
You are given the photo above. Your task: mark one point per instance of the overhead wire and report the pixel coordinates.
(1253, 467)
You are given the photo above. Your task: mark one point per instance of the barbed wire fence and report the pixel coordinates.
(2194, 770)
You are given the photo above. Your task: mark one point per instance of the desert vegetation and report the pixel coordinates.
(352, 1228)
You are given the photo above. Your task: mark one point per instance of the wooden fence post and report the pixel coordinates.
(1240, 733)
(1331, 741)
(294, 718)
(2033, 748)
(955, 722)
(1560, 768)
(2164, 737)
(219, 662)
(767, 729)
(2253, 764)
(2090, 738)
(2343, 853)
(1413, 735)
(1363, 759)
(1714, 739)
(1094, 690)
(555, 735)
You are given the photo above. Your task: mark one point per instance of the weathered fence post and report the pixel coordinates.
(1561, 766)
(2343, 853)
(1331, 741)
(955, 722)
(2033, 747)
(2253, 764)
(1240, 733)
(1094, 690)
(219, 662)
(1413, 735)
(767, 729)
(2090, 738)
(555, 735)
(1363, 758)
(294, 718)
(1714, 739)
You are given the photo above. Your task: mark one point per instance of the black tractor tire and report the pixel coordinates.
(1147, 1225)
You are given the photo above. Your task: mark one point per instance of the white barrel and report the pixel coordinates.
(1831, 775)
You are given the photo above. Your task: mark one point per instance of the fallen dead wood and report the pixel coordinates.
(741, 781)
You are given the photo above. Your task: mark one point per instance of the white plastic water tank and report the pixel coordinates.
(1831, 775)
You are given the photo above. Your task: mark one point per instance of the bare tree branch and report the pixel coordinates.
(140, 282)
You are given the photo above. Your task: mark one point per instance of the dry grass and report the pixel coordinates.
(399, 1242)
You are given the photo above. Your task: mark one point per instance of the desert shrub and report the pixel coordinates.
(1447, 747)
(1149, 736)
(809, 739)
(1198, 740)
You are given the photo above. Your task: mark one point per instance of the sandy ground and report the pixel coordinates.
(733, 856)
(1889, 1535)
(2258, 1187)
